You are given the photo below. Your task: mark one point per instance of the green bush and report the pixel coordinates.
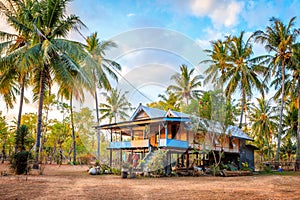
(116, 171)
(158, 161)
(20, 162)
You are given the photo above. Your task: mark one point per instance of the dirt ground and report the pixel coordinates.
(73, 182)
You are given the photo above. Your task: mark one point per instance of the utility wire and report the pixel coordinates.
(131, 84)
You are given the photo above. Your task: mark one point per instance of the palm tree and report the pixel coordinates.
(168, 101)
(264, 123)
(50, 54)
(278, 38)
(116, 106)
(218, 62)
(14, 70)
(186, 86)
(98, 67)
(295, 67)
(69, 92)
(242, 75)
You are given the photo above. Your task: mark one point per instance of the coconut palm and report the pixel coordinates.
(264, 123)
(74, 90)
(98, 67)
(116, 106)
(50, 54)
(186, 86)
(218, 62)
(278, 38)
(167, 101)
(295, 67)
(242, 75)
(15, 72)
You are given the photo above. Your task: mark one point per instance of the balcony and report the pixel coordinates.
(173, 143)
(129, 145)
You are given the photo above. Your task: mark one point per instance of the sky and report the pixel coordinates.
(155, 37)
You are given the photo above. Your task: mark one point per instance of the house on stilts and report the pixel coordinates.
(150, 129)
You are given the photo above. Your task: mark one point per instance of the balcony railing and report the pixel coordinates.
(173, 143)
(129, 144)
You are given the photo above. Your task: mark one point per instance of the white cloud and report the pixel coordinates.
(220, 12)
(130, 15)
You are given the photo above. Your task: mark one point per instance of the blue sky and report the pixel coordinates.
(177, 22)
(155, 37)
(198, 19)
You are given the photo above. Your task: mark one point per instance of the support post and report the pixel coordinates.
(110, 150)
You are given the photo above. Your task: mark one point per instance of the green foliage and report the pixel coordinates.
(116, 106)
(245, 166)
(158, 161)
(21, 138)
(20, 162)
(116, 171)
(168, 101)
(215, 169)
(186, 85)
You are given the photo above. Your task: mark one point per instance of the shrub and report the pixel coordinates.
(19, 162)
(158, 162)
(116, 171)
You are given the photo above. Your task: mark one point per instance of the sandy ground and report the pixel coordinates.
(73, 182)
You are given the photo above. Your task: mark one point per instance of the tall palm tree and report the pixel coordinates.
(116, 106)
(264, 123)
(242, 75)
(15, 71)
(278, 38)
(218, 62)
(98, 67)
(75, 90)
(50, 54)
(295, 67)
(186, 86)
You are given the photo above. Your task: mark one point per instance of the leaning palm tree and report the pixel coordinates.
(278, 38)
(242, 75)
(97, 66)
(116, 106)
(186, 86)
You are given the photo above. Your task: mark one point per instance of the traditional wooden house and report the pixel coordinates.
(150, 129)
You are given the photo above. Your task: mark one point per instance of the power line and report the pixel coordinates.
(131, 84)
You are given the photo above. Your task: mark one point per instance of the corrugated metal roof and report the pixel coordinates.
(151, 112)
(217, 127)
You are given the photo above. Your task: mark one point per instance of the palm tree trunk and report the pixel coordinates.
(98, 124)
(22, 85)
(298, 128)
(73, 129)
(40, 115)
(21, 102)
(281, 113)
(242, 109)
